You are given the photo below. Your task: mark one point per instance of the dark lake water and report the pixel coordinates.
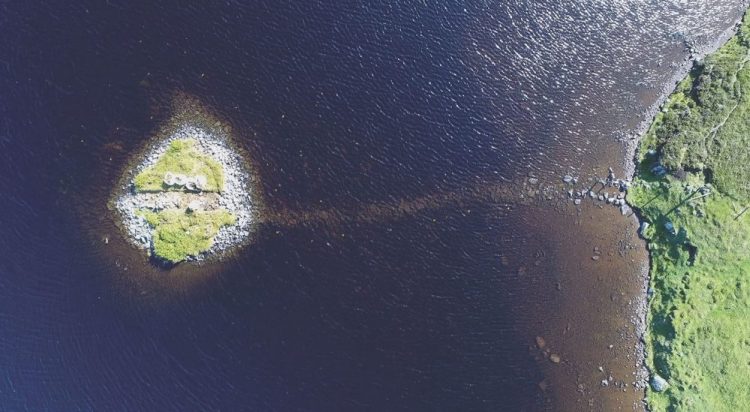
(342, 106)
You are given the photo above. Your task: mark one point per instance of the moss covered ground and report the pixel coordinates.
(181, 157)
(698, 335)
(179, 233)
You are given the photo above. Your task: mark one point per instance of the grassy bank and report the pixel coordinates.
(181, 157)
(693, 186)
(179, 233)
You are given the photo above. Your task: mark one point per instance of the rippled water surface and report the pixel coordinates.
(387, 275)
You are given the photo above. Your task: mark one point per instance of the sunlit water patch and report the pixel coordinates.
(578, 76)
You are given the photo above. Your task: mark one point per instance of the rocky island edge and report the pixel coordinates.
(189, 196)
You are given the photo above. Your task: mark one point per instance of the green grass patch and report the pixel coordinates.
(179, 234)
(698, 334)
(704, 124)
(181, 157)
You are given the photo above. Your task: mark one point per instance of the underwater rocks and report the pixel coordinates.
(609, 190)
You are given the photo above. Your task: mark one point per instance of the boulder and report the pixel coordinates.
(644, 227)
(201, 182)
(540, 342)
(179, 180)
(194, 206)
(659, 170)
(658, 383)
(169, 178)
(669, 227)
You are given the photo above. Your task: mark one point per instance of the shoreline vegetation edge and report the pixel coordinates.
(689, 193)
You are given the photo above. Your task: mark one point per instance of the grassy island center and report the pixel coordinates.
(179, 230)
(181, 158)
(179, 234)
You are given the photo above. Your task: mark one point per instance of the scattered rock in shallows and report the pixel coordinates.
(540, 343)
(554, 358)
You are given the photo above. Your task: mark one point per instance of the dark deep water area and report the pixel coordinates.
(342, 106)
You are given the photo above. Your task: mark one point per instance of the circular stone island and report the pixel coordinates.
(189, 198)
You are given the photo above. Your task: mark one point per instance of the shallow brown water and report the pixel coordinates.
(595, 321)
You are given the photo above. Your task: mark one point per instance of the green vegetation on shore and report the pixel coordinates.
(698, 335)
(179, 233)
(181, 157)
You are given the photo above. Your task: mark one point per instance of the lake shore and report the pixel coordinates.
(689, 179)
(696, 52)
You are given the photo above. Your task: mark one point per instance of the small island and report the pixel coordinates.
(189, 198)
(692, 193)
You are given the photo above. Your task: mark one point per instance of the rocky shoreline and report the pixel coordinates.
(235, 197)
(696, 52)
